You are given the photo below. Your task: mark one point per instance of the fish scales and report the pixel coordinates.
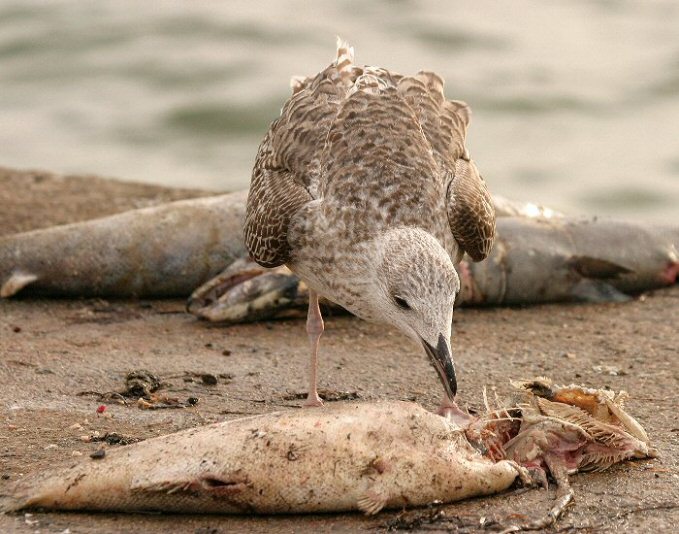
(344, 457)
(161, 251)
(567, 259)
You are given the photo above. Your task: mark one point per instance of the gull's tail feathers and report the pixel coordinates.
(345, 55)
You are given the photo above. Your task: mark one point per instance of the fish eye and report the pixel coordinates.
(401, 302)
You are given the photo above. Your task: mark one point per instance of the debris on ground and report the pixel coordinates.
(140, 383)
(113, 438)
(328, 395)
(160, 402)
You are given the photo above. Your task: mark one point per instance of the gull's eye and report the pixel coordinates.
(401, 303)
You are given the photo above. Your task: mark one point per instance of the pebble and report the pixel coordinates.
(209, 379)
(98, 454)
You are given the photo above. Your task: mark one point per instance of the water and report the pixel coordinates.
(576, 102)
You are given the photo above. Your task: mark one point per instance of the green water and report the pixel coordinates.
(576, 103)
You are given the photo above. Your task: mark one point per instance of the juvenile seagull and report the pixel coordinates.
(363, 187)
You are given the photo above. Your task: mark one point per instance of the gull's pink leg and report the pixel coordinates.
(314, 327)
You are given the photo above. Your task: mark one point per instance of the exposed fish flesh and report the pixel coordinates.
(170, 250)
(352, 456)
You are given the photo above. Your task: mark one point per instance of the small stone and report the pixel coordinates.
(51, 446)
(76, 453)
(209, 379)
(75, 426)
(98, 454)
(569, 355)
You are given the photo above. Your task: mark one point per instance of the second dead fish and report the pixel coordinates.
(533, 261)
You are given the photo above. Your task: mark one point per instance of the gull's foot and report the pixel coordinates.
(313, 401)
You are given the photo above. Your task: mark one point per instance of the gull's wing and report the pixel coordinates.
(286, 172)
(471, 214)
(444, 122)
(275, 196)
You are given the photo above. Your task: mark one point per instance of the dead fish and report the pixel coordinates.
(172, 249)
(344, 457)
(350, 456)
(566, 259)
(535, 259)
(162, 251)
(505, 207)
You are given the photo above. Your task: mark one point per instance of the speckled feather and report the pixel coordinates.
(355, 152)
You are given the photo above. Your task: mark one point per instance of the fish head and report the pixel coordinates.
(414, 290)
(567, 428)
(601, 405)
(245, 291)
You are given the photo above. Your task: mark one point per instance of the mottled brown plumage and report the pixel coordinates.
(331, 135)
(363, 186)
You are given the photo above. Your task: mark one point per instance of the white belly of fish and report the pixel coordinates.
(338, 458)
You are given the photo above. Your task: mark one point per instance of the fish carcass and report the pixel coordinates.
(535, 260)
(349, 456)
(160, 251)
(172, 249)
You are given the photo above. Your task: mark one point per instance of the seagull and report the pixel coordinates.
(363, 187)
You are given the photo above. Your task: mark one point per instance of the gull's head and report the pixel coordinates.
(414, 290)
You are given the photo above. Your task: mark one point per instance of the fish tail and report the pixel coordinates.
(15, 283)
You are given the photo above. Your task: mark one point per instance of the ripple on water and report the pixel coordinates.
(223, 120)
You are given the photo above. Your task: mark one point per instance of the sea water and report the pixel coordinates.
(575, 102)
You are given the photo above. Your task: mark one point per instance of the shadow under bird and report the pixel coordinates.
(363, 187)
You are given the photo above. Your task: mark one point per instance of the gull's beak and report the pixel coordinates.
(443, 361)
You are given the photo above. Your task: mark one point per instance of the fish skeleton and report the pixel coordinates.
(348, 456)
(171, 249)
